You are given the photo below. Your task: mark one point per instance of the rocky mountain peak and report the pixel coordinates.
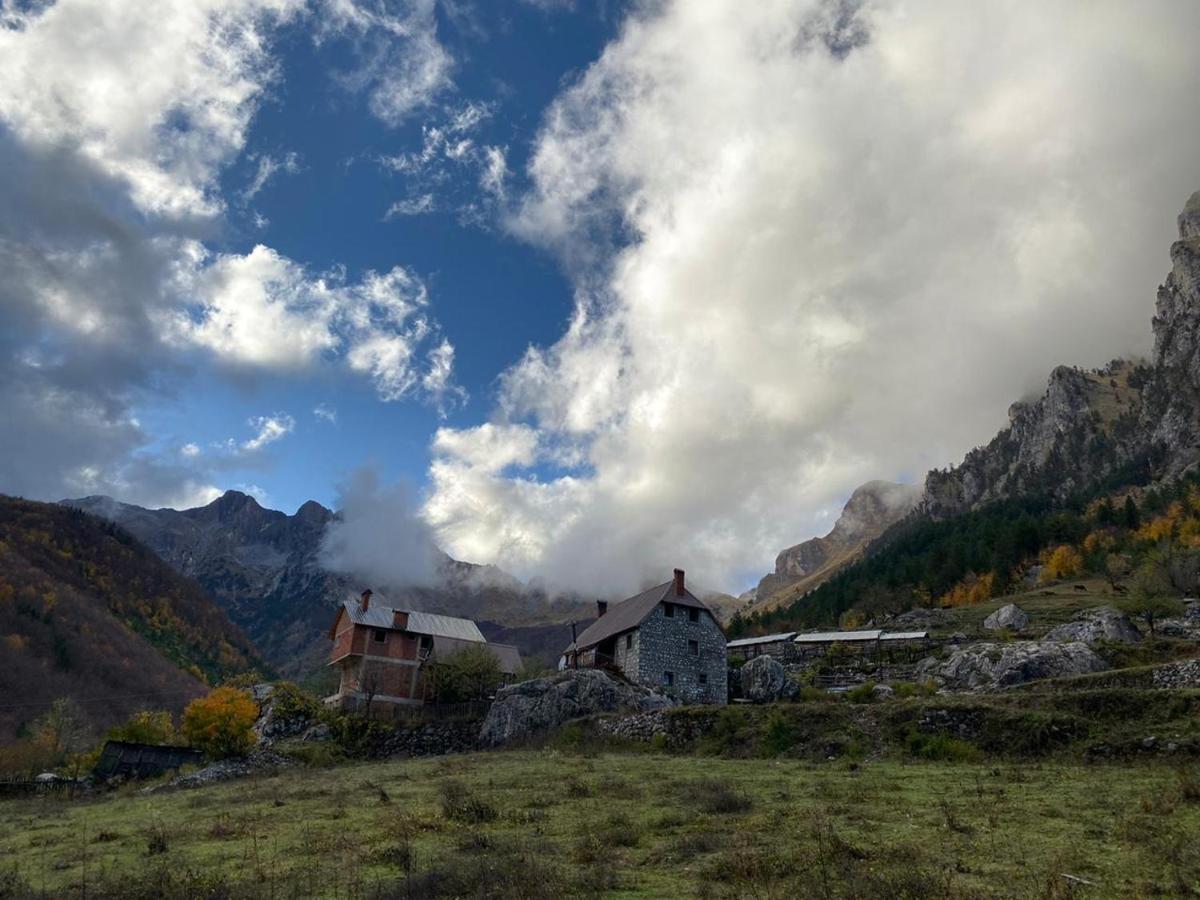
(1189, 219)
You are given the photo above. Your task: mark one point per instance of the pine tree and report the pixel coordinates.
(1132, 518)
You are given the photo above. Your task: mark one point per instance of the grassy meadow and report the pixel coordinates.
(548, 824)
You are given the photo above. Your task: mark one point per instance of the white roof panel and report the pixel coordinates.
(762, 639)
(444, 626)
(905, 636)
(832, 637)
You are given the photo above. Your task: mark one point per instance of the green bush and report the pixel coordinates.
(780, 734)
(941, 747)
(864, 693)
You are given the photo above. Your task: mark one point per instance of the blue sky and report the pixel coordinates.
(610, 287)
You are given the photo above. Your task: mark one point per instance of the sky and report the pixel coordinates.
(585, 290)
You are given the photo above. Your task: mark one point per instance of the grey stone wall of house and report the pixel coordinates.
(662, 646)
(626, 655)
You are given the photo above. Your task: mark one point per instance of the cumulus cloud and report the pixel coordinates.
(266, 168)
(815, 243)
(378, 534)
(325, 413)
(269, 430)
(109, 188)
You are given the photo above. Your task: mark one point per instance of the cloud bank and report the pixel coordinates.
(815, 243)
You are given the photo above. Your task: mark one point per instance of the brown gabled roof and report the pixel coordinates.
(629, 613)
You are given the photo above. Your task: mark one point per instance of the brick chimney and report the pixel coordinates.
(601, 608)
(366, 599)
(679, 582)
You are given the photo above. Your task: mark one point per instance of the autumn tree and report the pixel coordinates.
(146, 727)
(63, 728)
(1151, 596)
(1064, 561)
(222, 723)
(1116, 567)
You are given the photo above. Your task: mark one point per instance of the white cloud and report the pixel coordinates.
(268, 167)
(402, 66)
(325, 413)
(189, 450)
(269, 430)
(814, 246)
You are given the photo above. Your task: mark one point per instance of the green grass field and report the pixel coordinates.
(553, 824)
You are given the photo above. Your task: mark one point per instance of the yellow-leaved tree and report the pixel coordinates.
(221, 724)
(1064, 561)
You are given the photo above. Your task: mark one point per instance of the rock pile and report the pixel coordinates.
(524, 709)
(260, 762)
(1101, 624)
(987, 665)
(1184, 674)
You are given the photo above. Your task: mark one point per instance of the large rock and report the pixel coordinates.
(1102, 624)
(1011, 617)
(533, 706)
(764, 680)
(987, 665)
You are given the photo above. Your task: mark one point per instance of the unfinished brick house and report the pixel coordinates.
(384, 654)
(663, 638)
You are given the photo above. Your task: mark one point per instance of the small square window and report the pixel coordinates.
(693, 614)
(694, 648)
(629, 641)
(668, 679)
(704, 678)
(668, 610)
(379, 636)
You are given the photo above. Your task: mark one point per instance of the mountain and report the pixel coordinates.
(1127, 421)
(264, 567)
(870, 511)
(1124, 434)
(88, 612)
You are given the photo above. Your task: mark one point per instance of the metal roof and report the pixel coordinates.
(377, 615)
(629, 613)
(832, 637)
(905, 636)
(763, 639)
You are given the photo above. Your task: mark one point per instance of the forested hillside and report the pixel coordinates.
(89, 613)
(1147, 535)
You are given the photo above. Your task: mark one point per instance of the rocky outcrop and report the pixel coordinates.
(871, 510)
(531, 707)
(1011, 617)
(988, 665)
(764, 680)
(1089, 425)
(1102, 624)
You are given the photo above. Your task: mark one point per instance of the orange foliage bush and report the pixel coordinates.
(220, 724)
(1064, 561)
(971, 590)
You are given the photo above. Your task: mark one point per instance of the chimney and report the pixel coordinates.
(679, 582)
(366, 599)
(601, 608)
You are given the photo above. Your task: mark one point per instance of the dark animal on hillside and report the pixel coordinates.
(1120, 589)
(1080, 587)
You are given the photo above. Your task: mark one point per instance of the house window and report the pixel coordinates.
(379, 636)
(694, 648)
(668, 610)
(629, 641)
(704, 678)
(693, 614)
(426, 642)
(668, 679)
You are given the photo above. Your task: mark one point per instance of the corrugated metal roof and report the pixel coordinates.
(378, 615)
(444, 626)
(905, 636)
(763, 639)
(629, 613)
(832, 637)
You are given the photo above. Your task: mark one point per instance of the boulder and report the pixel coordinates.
(1102, 624)
(883, 692)
(988, 665)
(1011, 617)
(534, 706)
(764, 680)
(921, 619)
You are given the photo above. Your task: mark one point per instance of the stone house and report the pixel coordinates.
(663, 638)
(384, 654)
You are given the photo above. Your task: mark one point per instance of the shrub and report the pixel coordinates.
(940, 747)
(469, 674)
(864, 693)
(146, 727)
(460, 805)
(719, 796)
(221, 724)
(780, 734)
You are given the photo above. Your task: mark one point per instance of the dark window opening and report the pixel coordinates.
(704, 678)
(426, 642)
(379, 635)
(693, 614)
(668, 610)
(694, 648)
(629, 642)
(668, 678)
